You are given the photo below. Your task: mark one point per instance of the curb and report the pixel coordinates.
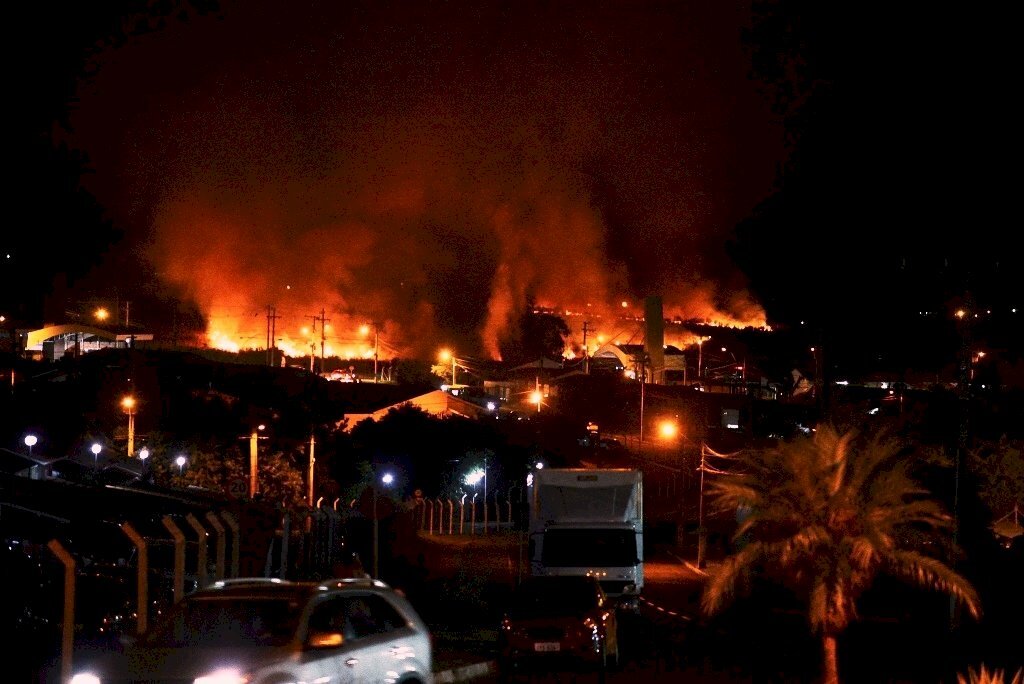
(465, 672)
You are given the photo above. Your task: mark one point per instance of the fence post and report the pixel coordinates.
(202, 565)
(211, 517)
(440, 516)
(462, 514)
(67, 642)
(142, 576)
(472, 515)
(235, 541)
(451, 516)
(179, 556)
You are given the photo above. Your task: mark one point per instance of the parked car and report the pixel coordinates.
(559, 621)
(263, 630)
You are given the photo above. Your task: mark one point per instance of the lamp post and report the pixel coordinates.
(536, 397)
(30, 441)
(312, 462)
(445, 356)
(96, 449)
(700, 357)
(143, 455)
(253, 460)
(128, 403)
(181, 461)
(386, 479)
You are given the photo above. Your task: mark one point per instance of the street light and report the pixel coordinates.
(536, 398)
(312, 467)
(30, 441)
(181, 461)
(700, 355)
(96, 449)
(386, 479)
(445, 355)
(128, 403)
(253, 459)
(143, 455)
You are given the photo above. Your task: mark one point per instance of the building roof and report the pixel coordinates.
(437, 403)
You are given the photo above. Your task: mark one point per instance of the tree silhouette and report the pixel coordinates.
(827, 515)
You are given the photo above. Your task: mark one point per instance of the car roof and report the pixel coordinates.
(271, 586)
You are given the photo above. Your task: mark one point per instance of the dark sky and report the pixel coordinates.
(432, 165)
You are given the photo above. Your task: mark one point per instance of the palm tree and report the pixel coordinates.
(826, 515)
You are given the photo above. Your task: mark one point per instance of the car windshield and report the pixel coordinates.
(553, 597)
(227, 621)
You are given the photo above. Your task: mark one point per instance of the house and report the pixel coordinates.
(437, 403)
(629, 358)
(520, 387)
(25, 465)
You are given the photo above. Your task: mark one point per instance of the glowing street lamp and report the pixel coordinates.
(668, 430)
(128, 403)
(536, 398)
(181, 461)
(143, 454)
(445, 356)
(30, 441)
(101, 314)
(96, 449)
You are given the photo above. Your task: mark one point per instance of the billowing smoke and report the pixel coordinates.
(431, 168)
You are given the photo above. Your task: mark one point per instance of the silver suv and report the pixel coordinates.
(265, 631)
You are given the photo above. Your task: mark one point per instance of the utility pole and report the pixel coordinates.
(323, 337)
(312, 342)
(586, 349)
(376, 379)
(271, 334)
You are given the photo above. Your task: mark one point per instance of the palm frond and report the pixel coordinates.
(931, 573)
(721, 587)
(986, 676)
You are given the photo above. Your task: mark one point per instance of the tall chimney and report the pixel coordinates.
(654, 338)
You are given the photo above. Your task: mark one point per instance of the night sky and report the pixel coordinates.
(433, 166)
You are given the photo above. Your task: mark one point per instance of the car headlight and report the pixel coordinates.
(85, 678)
(227, 675)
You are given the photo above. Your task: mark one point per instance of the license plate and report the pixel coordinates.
(546, 646)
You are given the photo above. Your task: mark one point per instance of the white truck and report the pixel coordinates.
(589, 521)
